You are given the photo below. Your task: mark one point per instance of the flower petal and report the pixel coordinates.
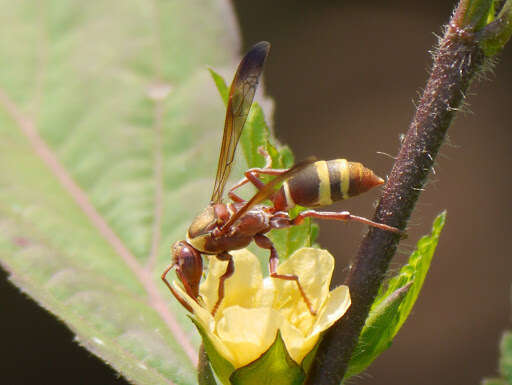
(205, 319)
(314, 268)
(334, 308)
(297, 345)
(200, 313)
(248, 333)
(243, 288)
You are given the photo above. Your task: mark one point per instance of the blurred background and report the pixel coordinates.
(344, 77)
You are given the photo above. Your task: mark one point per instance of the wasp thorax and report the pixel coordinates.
(203, 223)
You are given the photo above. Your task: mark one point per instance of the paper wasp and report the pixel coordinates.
(223, 227)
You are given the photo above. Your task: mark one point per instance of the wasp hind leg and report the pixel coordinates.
(344, 216)
(265, 243)
(251, 175)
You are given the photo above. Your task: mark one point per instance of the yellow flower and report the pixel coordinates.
(254, 309)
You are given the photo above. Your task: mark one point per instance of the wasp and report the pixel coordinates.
(223, 227)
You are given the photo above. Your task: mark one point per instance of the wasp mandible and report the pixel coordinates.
(223, 227)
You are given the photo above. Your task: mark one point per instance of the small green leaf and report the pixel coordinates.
(506, 356)
(274, 367)
(477, 13)
(414, 271)
(498, 32)
(494, 381)
(222, 367)
(377, 334)
(221, 85)
(505, 362)
(394, 303)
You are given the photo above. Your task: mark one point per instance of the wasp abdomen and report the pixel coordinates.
(325, 182)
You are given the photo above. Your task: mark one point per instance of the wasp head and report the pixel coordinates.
(189, 267)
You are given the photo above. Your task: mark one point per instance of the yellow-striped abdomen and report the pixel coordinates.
(325, 182)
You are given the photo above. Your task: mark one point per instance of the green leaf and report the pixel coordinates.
(377, 334)
(221, 85)
(494, 381)
(274, 367)
(414, 271)
(395, 302)
(506, 356)
(505, 362)
(109, 131)
(498, 32)
(477, 13)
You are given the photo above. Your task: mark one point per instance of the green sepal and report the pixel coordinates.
(274, 367)
(205, 375)
(256, 134)
(221, 366)
(498, 32)
(308, 360)
(392, 305)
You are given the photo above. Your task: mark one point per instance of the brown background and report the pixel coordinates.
(344, 76)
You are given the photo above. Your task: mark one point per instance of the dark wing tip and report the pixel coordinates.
(260, 49)
(263, 46)
(254, 59)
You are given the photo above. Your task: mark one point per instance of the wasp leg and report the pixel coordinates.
(265, 243)
(230, 269)
(235, 198)
(173, 291)
(251, 175)
(343, 216)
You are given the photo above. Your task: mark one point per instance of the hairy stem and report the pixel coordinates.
(456, 62)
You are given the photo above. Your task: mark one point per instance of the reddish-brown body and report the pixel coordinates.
(239, 235)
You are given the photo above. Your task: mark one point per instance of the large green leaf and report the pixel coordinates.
(109, 132)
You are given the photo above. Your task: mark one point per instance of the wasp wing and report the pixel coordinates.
(241, 95)
(266, 191)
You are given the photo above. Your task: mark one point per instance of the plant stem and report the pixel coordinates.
(456, 62)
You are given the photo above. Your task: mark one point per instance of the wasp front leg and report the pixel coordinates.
(265, 243)
(173, 291)
(343, 216)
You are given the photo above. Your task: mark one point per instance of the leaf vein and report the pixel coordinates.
(81, 199)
